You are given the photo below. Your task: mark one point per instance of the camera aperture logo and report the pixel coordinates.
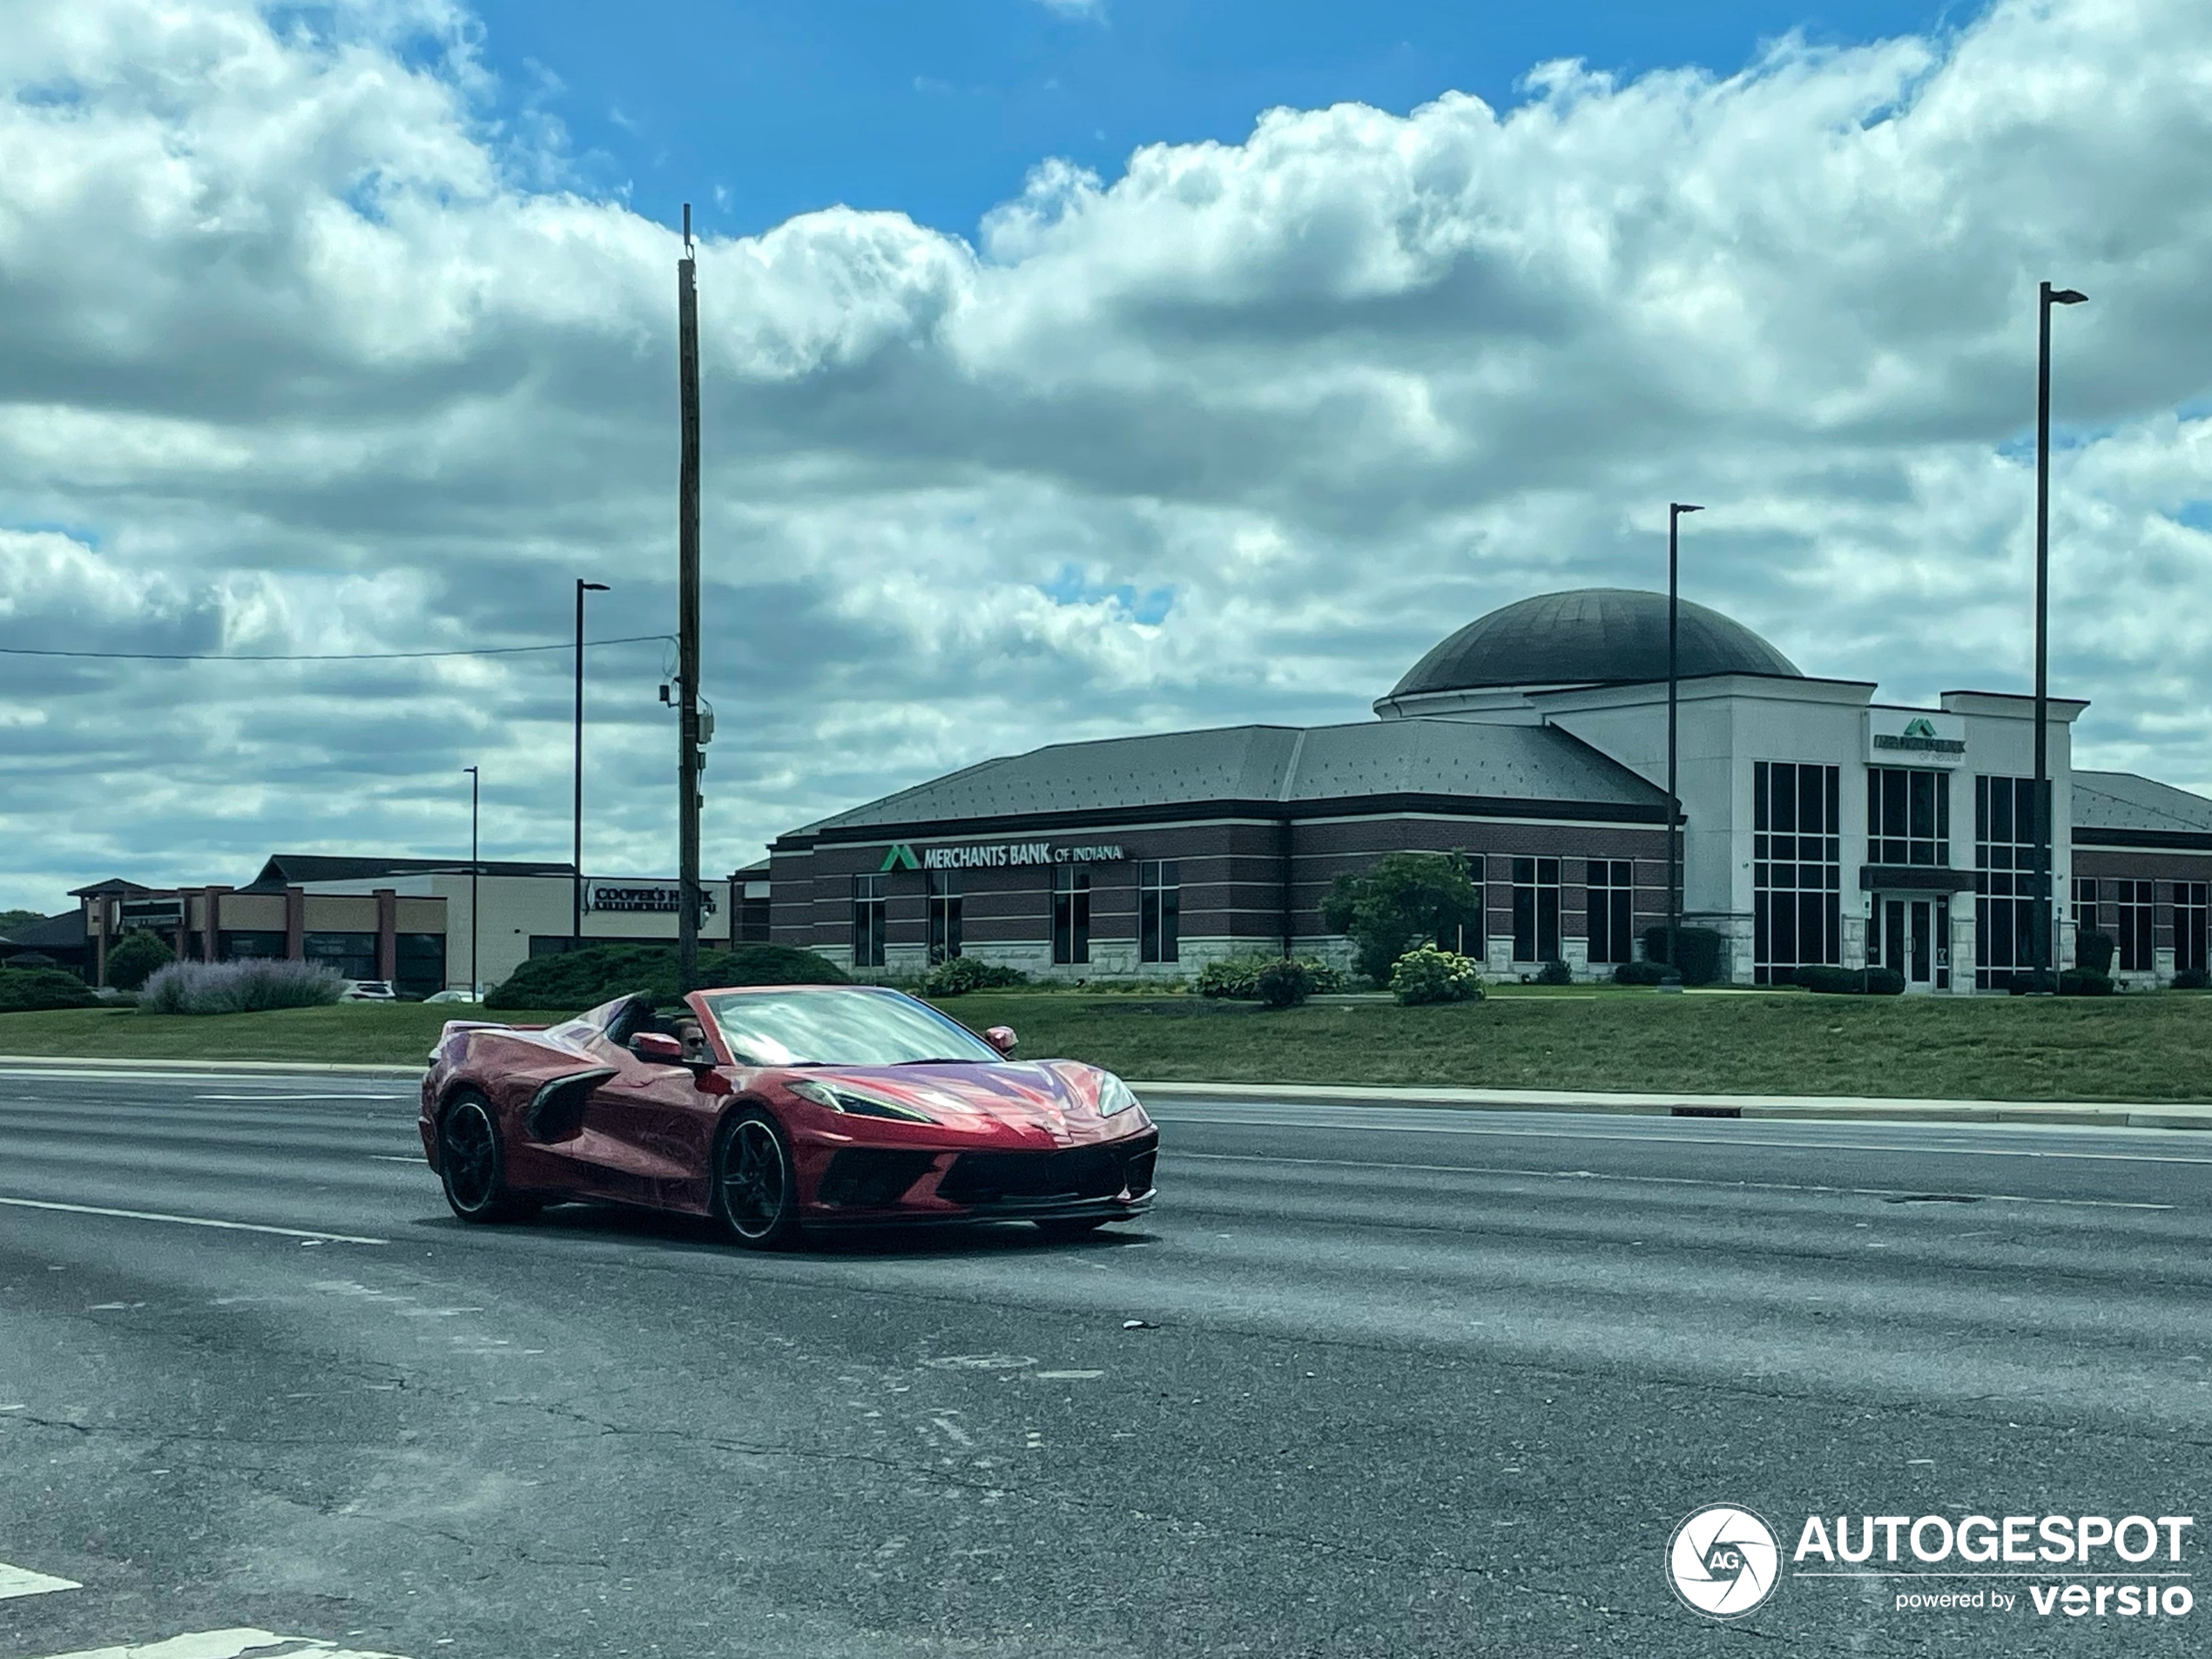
(1723, 1560)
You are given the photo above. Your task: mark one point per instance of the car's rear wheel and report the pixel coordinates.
(1082, 1229)
(756, 1190)
(472, 1162)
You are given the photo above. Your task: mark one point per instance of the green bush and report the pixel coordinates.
(1237, 978)
(2093, 951)
(2075, 981)
(957, 975)
(29, 990)
(1701, 952)
(1554, 973)
(2192, 979)
(1639, 974)
(1850, 981)
(1284, 984)
(1428, 975)
(584, 979)
(1406, 898)
(134, 956)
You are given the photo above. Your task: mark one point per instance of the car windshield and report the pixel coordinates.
(813, 1028)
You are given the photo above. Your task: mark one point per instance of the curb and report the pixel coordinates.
(1842, 1107)
(188, 1067)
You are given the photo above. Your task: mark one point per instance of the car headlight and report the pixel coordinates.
(853, 1104)
(1114, 1095)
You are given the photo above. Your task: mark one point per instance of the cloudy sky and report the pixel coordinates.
(1070, 369)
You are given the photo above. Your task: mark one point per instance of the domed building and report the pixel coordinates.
(1818, 825)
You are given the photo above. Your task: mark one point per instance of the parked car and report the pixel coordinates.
(368, 990)
(450, 996)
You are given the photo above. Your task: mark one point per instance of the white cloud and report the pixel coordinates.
(301, 351)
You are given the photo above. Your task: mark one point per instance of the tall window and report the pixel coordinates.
(1908, 816)
(1797, 870)
(1535, 910)
(2135, 909)
(2192, 923)
(944, 914)
(2004, 879)
(1159, 910)
(2085, 902)
(349, 955)
(868, 906)
(1612, 885)
(1070, 913)
(1470, 938)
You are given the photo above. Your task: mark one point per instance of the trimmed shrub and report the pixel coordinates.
(1428, 975)
(1405, 899)
(30, 990)
(584, 979)
(1284, 983)
(957, 975)
(2093, 951)
(238, 987)
(1639, 972)
(134, 956)
(2075, 981)
(1850, 981)
(1238, 977)
(1701, 952)
(1554, 973)
(2192, 979)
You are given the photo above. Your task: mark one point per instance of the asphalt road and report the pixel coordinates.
(1409, 1383)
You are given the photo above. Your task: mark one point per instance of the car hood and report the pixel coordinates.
(1055, 1099)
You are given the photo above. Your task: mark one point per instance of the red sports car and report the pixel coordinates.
(772, 1109)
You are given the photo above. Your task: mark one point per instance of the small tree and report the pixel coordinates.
(1408, 899)
(134, 956)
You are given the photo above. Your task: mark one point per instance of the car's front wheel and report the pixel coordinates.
(472, 1162)
(755, 1190)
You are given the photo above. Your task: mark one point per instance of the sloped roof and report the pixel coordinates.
(1251, 764)
(2127, 800)
(286, 869)
(113, 884)
(64, 932)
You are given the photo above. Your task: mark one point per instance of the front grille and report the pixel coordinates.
(868, 1177)
(1038, 1177)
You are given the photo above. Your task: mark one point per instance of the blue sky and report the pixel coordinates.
(758, 109)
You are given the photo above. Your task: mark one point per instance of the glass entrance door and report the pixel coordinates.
(1914, 941)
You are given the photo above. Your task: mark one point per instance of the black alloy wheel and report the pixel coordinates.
(473, 1165)
(755, 1190)
(1064, 1230)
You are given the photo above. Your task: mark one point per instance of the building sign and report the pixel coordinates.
(153, 912)
(997, 855)
(642, 897)
(1900, 738)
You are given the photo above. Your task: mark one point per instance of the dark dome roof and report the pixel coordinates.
(1589, 635)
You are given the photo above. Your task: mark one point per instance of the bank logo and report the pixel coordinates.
(1723, 1560)
(901, 857)
(1919, 728)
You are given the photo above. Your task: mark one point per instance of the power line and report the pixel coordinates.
(310, 656)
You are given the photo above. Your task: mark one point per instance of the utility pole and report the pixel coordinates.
(687, 627)
(2039, 966)
(1674, 510)
(576, 891)
(475, 785)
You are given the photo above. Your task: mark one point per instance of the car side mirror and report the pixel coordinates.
(1001, 1037)
(655, 1049)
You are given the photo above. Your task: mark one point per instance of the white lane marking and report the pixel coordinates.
(394, 1157)
(191, 1221)
(1650, 1180)
(1670, 1139)
(20, 1580)
(228, 1644)
(259, 1097)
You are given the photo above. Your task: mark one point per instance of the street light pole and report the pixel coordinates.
(2039, 946)
(575, 896)
(1674, 510)
(476, 782)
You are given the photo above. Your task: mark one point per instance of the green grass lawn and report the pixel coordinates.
(2144, 1048)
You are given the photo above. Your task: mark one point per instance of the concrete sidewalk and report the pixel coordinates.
(2106, 1114)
